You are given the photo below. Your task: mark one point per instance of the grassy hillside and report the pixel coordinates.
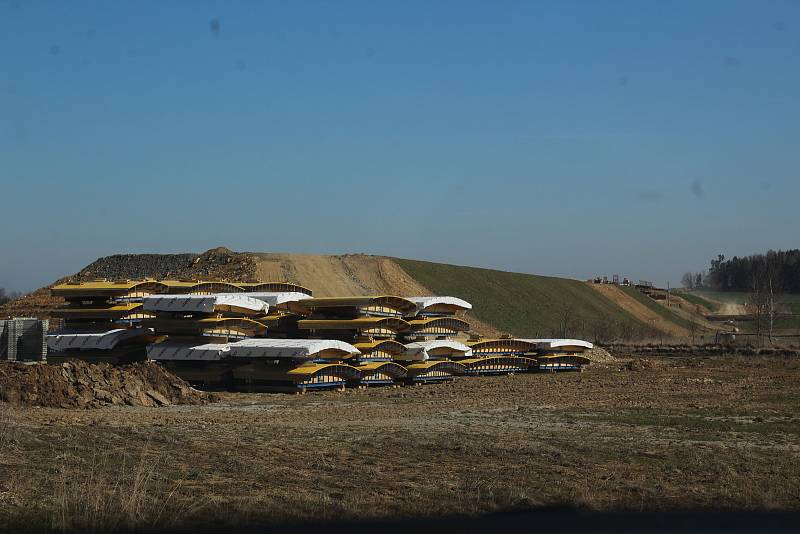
(521, 304)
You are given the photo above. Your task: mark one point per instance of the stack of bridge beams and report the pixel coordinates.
(101, 321)
(561, 354)
(434, 341)
(244, 339)
(370, 323)
(196, 329)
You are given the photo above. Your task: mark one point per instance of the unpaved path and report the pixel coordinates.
(639, 310)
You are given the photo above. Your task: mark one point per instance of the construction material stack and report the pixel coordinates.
(198, 329)
(500, 356)
(102, 321)
(371, 323)
(23, 338)
(561, 354)
(433, 340)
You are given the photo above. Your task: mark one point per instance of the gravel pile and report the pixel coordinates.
(218, 263)
(78, 384)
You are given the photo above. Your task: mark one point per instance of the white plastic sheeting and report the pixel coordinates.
(202, 303)
(551, 344)
(180, 352)
(93, 340)
(274, 298)
(424, 302)
(288, 348)
(419, 351)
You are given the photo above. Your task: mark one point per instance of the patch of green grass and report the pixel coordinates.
(657, 308)
(696, 299)
(522, 304)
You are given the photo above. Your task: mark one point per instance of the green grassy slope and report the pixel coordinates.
(521, 304)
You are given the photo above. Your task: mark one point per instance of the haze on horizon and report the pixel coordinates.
(563, 137)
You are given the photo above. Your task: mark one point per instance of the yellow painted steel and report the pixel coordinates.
(487, 346)
(387, 345)
(306, 370)
(394, 324)
(415, 369)
(569, 358)
(451, 323)
(107, 288)
(393, 369)
(399, 304)
(511, 360)
(275, 287)
(242, 325)
(102, 312)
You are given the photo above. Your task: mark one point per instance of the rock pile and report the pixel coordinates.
(78, 384)
(218, 263)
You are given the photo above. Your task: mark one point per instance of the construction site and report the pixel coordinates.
(165, 391)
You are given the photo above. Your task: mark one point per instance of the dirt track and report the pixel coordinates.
(651, 434)
(639, 310)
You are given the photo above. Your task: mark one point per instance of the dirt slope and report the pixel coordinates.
(346, 275)
(639, 310)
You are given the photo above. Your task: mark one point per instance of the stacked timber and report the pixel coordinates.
(102, 321)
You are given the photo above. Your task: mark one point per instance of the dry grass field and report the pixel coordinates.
(646, 435)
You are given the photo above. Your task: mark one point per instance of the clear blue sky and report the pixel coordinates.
(564, 138)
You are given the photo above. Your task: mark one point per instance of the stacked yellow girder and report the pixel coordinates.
(101, 321)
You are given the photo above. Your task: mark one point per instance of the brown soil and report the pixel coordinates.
(348, 275)
(676, 433)
(77, 384)
(639, 310)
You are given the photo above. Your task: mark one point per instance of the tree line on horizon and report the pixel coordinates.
(777, 270)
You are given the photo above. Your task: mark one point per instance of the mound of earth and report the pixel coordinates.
(78, 384)
(599, 354)
(218, 264)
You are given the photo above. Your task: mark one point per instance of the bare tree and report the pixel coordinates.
(565, 319)
(687, 280)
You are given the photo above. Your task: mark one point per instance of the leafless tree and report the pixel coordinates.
(565, 319)
(688, 280)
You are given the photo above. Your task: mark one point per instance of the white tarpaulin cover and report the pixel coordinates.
(183, 352)
(550, 344)
(419, 351)
(287, 348)
(424, 302)
(202, 303)
(93, 340)
(273, 298)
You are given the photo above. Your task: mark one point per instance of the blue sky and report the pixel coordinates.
(564, 138)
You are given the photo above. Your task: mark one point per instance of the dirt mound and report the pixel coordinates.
(218, 263)
(78, 384)
(598, 354)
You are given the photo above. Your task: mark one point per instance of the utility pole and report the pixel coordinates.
(667, 293)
